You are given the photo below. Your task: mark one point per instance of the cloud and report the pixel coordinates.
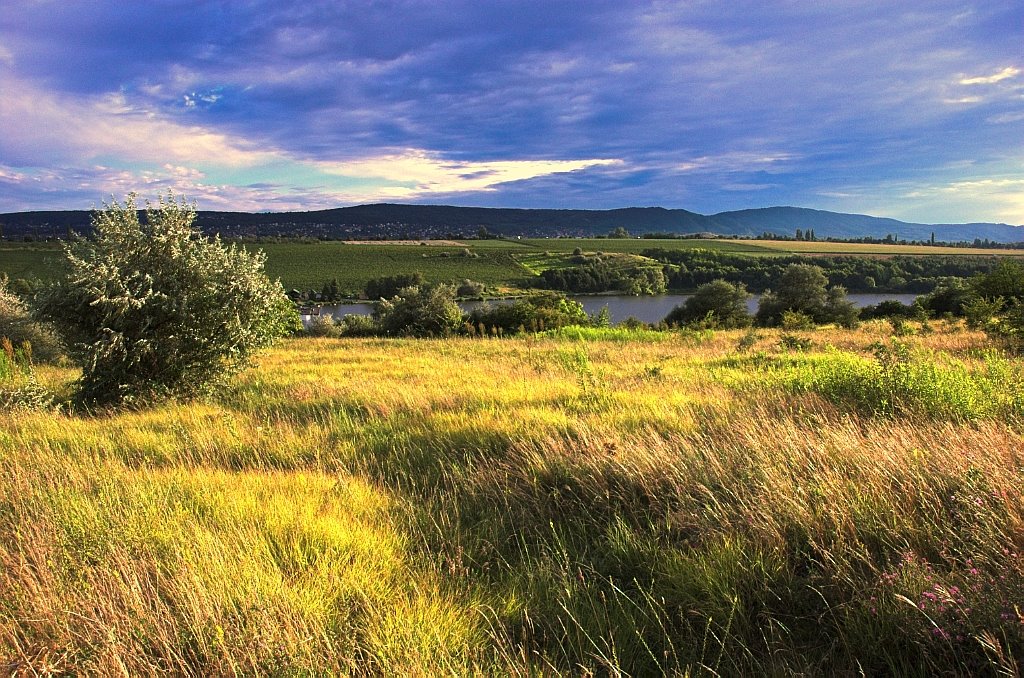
(1005, 74)
(415, 173)
(708, 106)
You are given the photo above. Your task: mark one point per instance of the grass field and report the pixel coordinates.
(822, 247)
(35, 260)
(638, 245)
(305, 266)
(586, 503)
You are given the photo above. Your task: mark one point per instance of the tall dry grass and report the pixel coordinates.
(689, 503)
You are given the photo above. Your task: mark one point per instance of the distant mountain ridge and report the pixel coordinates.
(386, 220)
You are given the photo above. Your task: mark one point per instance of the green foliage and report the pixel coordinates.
(153, 309)
(980, 311)
(748, 340)
(948, 298)
(355, 325)
(534, 312)
(795, 320)
(717, 304)
(388, 286)
(17, 324)
(793, 342)
(469, 289)
(423, 311)
(803, 289)
(323, 326)
(903, 381)
(1006, 280)
(582, 333)
(622, 273)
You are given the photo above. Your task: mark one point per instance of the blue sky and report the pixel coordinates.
(912, 110)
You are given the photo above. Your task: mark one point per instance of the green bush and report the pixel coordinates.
(425, 311)
(151, 308)
(716, 304)
(803, 288)
(17, 324)
(323, 326)
(469, 288)
(534, 312)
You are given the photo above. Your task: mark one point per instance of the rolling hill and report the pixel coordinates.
(419, 221)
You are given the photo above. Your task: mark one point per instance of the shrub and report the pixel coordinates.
(425, 311)
(803, 288)
(152, 308)
(718, 304)
(901, 380)
(17, 324)
(981, 311)
(537, 311)
(353, 325)
(794, 320)
(470, 288)
(323, 326)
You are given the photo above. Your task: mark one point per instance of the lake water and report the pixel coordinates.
(620, 307)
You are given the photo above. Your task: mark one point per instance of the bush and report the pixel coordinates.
(17, 325)
(717, 304)
(425, 311)
(354, 325)
(153, 309)
(535, 312)
(803, 289)
(470, 288)
(323, 326)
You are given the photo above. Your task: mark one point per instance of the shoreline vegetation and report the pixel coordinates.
(603, 500)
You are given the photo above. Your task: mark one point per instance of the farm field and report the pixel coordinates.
(305, 266)
(638, 245)
(30, 260)
(582, 502)
(824, 247)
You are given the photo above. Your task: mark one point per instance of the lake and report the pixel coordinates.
(620, 307)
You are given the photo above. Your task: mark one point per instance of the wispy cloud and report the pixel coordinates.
(1005, 74)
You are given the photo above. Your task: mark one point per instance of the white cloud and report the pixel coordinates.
(738, 161)
(43, 128)
(1005, 74)
(412, 172)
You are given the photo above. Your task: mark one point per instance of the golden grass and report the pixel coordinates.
(521, 506)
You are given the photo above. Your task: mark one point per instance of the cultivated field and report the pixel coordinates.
(847, 248)
(590, 502)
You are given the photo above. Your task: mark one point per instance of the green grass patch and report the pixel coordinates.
(305, 266)
(638, 245)
(31, 260)
(577, 333)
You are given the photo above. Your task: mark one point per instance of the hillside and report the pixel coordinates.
(424, 221)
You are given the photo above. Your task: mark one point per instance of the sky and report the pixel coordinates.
(912, 109)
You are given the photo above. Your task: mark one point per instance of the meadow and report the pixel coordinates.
(583, 501)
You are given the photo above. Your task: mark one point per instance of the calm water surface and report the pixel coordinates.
(620, 307)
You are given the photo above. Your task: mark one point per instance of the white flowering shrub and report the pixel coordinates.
(151, 308)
